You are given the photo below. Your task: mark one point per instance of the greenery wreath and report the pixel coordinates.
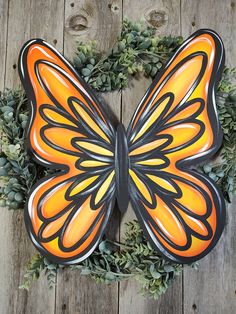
(136, 51)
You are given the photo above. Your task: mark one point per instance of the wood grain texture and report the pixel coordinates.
(212, 288)
(214, 14)
(86, 21)
(27, 19)
(3, 39)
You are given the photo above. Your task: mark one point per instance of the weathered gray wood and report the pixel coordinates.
(165, 16)
(91, 20)
(85, 21)
(3, 39)
(215, 14)
(27, 19)
(211, 289)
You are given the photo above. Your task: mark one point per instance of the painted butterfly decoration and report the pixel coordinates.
(174, 127)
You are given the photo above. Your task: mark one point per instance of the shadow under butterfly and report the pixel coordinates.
(174, 127)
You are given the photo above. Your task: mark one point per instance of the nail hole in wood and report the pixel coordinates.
(14, 66)
(157, 18)
(194, 307)
(72, 4)
(193, 24)
(232, 4)
(55, 41)
(63, 307)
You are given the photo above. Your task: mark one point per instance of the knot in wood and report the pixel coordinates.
(114, 7)
(77, 23)
(156, 18)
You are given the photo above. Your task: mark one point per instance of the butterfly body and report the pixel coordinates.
(174, 127)
(122, 165)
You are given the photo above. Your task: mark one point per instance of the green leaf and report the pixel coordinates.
(86, 72)
(168, 268)
(3, 161)
(145, 44)
(110, 276)
(105, 247)
(155, 274)
(85, 271)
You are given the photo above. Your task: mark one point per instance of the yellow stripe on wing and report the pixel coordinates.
(152, 119)
(148, 147)
(94, 148)
(151, 162)
(89, 121)
(104, 187)
(82, 185)
(165, 184)
(57, 117)
(93, 163)
(140, 185)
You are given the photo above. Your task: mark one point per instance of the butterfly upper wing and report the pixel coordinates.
(175, 126)
(66, 212)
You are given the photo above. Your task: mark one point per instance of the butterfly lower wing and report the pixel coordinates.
(67, 212)
(62, 218)
(182, 214)
(176, 126)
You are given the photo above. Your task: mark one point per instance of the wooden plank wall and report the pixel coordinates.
(211, 289)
